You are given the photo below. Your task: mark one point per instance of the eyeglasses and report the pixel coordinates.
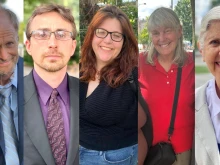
(115, 36)
(45, 35)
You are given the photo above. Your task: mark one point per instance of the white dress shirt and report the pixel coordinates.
(213, 102)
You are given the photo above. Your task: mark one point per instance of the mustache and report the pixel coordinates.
(53, 52)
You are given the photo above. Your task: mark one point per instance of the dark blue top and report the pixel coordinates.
(219, 147)
(108, 117)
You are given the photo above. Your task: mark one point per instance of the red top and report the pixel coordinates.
(158, 87)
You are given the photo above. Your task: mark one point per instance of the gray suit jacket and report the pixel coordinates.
(37, 150)
(206, 149)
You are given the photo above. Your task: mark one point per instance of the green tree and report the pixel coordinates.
(2, 1)
(192, 2)
(215, 3)
(144, 37)
(184, 12)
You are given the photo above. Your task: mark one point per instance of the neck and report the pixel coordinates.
(53, 79)
(165, 62)
(165, 59)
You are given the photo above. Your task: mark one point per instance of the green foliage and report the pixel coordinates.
(215, 3)
(20, 32)
(201, 69)
(2, 1)
(144, 37)
(184, 12)
(131, 11)
(28, 59)
(86, 16)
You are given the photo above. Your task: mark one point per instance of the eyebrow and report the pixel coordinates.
(47, 29)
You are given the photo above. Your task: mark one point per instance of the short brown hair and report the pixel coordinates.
(117, 72)
(65, 13)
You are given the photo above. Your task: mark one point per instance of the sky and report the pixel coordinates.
(17, 7)
(146, 7)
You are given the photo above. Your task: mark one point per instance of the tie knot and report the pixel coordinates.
(54, 94)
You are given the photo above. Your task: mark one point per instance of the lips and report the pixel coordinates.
(218, 63)
(105, 48)
(164, 45)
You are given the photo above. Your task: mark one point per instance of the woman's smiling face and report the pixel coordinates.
(106, 49)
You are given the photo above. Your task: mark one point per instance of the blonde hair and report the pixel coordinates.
(211, 16)
(165, 17)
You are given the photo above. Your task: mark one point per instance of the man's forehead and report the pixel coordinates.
(6, 26)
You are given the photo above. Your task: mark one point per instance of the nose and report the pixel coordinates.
(3, 53)
(52, 41)
(108, 38)
(162, 37)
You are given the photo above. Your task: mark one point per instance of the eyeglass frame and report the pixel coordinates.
(50, 32)
(123, 36)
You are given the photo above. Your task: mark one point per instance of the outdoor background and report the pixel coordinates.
(138, 13)
(202, 73)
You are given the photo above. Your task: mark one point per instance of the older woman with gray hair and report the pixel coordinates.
(207, 118)
(158, 70)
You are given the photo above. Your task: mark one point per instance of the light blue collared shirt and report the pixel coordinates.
(214, 107)
(13, 97)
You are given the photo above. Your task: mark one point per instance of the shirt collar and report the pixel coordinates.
(13, 79)
(45, 90)
(212, 98)
(159, 67)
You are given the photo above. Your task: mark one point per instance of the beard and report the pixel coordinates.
(5, 74)
(52, 65)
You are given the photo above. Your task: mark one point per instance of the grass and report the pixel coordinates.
(201, 69)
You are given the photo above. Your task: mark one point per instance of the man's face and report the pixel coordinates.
(51, 54)
(8, 46)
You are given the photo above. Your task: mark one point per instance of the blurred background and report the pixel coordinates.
(138, 13)
(202, 72)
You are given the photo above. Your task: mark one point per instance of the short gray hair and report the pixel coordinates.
(165, 17)
(212, 15)
(11, 15)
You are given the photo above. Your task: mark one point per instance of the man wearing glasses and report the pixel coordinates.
(51, 133)
(11, 91)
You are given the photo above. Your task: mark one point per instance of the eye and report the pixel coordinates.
(10, 44)
(116, 35)
(214, 42)
(167, 30)
(155, 33)
(60, 34)
(101, 32)
(41, 34)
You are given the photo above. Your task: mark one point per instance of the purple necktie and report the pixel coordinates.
(55, 130)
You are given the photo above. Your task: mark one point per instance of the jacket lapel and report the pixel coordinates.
(204, 127)
(34, 122)
(72, 157)
(20, 101)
